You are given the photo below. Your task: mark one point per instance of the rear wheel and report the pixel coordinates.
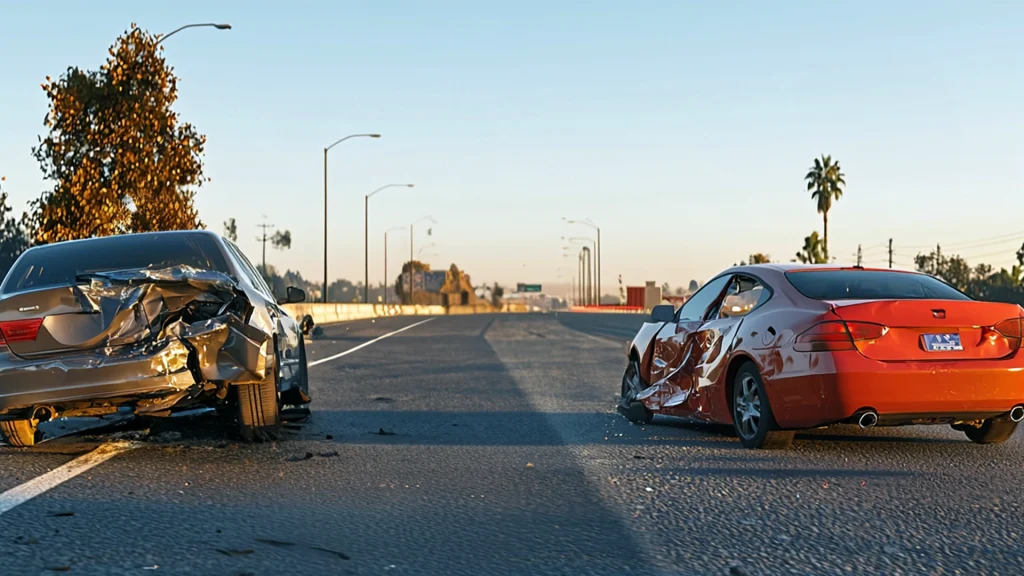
(20, 433)
(991, 431)
(259, 419)
(632, 384)
(752, 415)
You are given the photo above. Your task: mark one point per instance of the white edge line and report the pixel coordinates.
(363, 345)
(36, 486)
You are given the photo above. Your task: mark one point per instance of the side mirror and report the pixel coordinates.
(663, 313)
(295, 295)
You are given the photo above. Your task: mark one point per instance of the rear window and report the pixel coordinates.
(59, 264)
(871, 285)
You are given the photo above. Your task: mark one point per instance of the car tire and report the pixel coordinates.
(19, 433)
(633, 409)
(752, 414)
(991, 431)
(259, 418)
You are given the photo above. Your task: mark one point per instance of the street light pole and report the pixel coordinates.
(211, 25)
(366, 239)
(325, 198)
(386, 292)
(587, 222)
(411, 237)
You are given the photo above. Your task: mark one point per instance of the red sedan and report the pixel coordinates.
(777, 348)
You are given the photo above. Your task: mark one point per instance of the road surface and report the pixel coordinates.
(491, 445)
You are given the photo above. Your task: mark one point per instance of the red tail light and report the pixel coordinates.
(836, 335)
(1011, 330)
(20, 330)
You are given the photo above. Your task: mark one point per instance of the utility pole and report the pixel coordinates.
(890, 252)
(264, 239)
(858, 255)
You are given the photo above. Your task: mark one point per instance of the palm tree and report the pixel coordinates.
(811, 253)
(825, 180)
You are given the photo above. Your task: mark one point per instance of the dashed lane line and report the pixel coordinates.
(36, 486)
(365, 344)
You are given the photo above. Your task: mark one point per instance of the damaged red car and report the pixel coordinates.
(772, 349)
(155, 324)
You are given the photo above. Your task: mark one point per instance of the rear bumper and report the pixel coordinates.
(81, 377)
(901, 393)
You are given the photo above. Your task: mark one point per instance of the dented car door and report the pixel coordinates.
(715, 340)
(673, 359)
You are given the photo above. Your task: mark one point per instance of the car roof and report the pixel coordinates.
(782, 268)
(130, 237)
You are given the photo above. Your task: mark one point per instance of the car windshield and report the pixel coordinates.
(871, 285)
(60, 264)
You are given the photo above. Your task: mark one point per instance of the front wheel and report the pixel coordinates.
(19, 433)
(991, 431)
(752, 415)
(258, 416)
(632, 384)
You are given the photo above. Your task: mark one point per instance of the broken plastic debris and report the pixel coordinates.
(232, 552)
(649, 489)
(529, 464)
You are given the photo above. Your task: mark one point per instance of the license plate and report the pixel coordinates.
(942, 342)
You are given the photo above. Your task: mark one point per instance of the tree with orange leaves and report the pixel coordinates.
(120, 158)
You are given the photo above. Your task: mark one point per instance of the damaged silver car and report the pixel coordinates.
(157, 324)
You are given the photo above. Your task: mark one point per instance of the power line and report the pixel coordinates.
(973, 243)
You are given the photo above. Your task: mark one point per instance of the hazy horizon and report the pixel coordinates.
(683, 129)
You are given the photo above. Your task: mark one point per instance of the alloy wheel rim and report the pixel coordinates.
(748, 407)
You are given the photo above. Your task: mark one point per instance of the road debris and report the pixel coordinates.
(383, 432)
(341, 555)
(529, 464)
(63, 514)
(277, 543)
(233, 552)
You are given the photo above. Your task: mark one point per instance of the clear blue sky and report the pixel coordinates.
(682, 128)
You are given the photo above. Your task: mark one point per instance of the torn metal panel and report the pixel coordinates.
(154, 334)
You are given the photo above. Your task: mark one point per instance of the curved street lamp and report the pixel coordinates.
(325, 198)
(395, 229)
(366, 238)
(210, 25)
(590, 276)
(412, 236)
(587, 222)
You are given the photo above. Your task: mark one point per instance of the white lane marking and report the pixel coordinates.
(365, 344)
(57, 476)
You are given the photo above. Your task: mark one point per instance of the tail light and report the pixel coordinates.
(1011, 330)
(20, 330)
(833, 336)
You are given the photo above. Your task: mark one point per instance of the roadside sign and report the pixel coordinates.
(527, 287)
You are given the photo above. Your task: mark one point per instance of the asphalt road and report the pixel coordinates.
(490, 444)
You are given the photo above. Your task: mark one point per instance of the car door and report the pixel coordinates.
(713, 342)
(670, 386)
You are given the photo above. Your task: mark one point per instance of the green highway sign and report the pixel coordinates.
(527, 287)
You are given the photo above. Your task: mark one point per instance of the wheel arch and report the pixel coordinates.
(738, 360)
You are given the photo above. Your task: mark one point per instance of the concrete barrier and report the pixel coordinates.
(333, 313)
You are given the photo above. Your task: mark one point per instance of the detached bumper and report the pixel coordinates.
(901, 392)
(90, 376)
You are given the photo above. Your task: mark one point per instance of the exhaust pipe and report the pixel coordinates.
(870, 418)
(1017, 413)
